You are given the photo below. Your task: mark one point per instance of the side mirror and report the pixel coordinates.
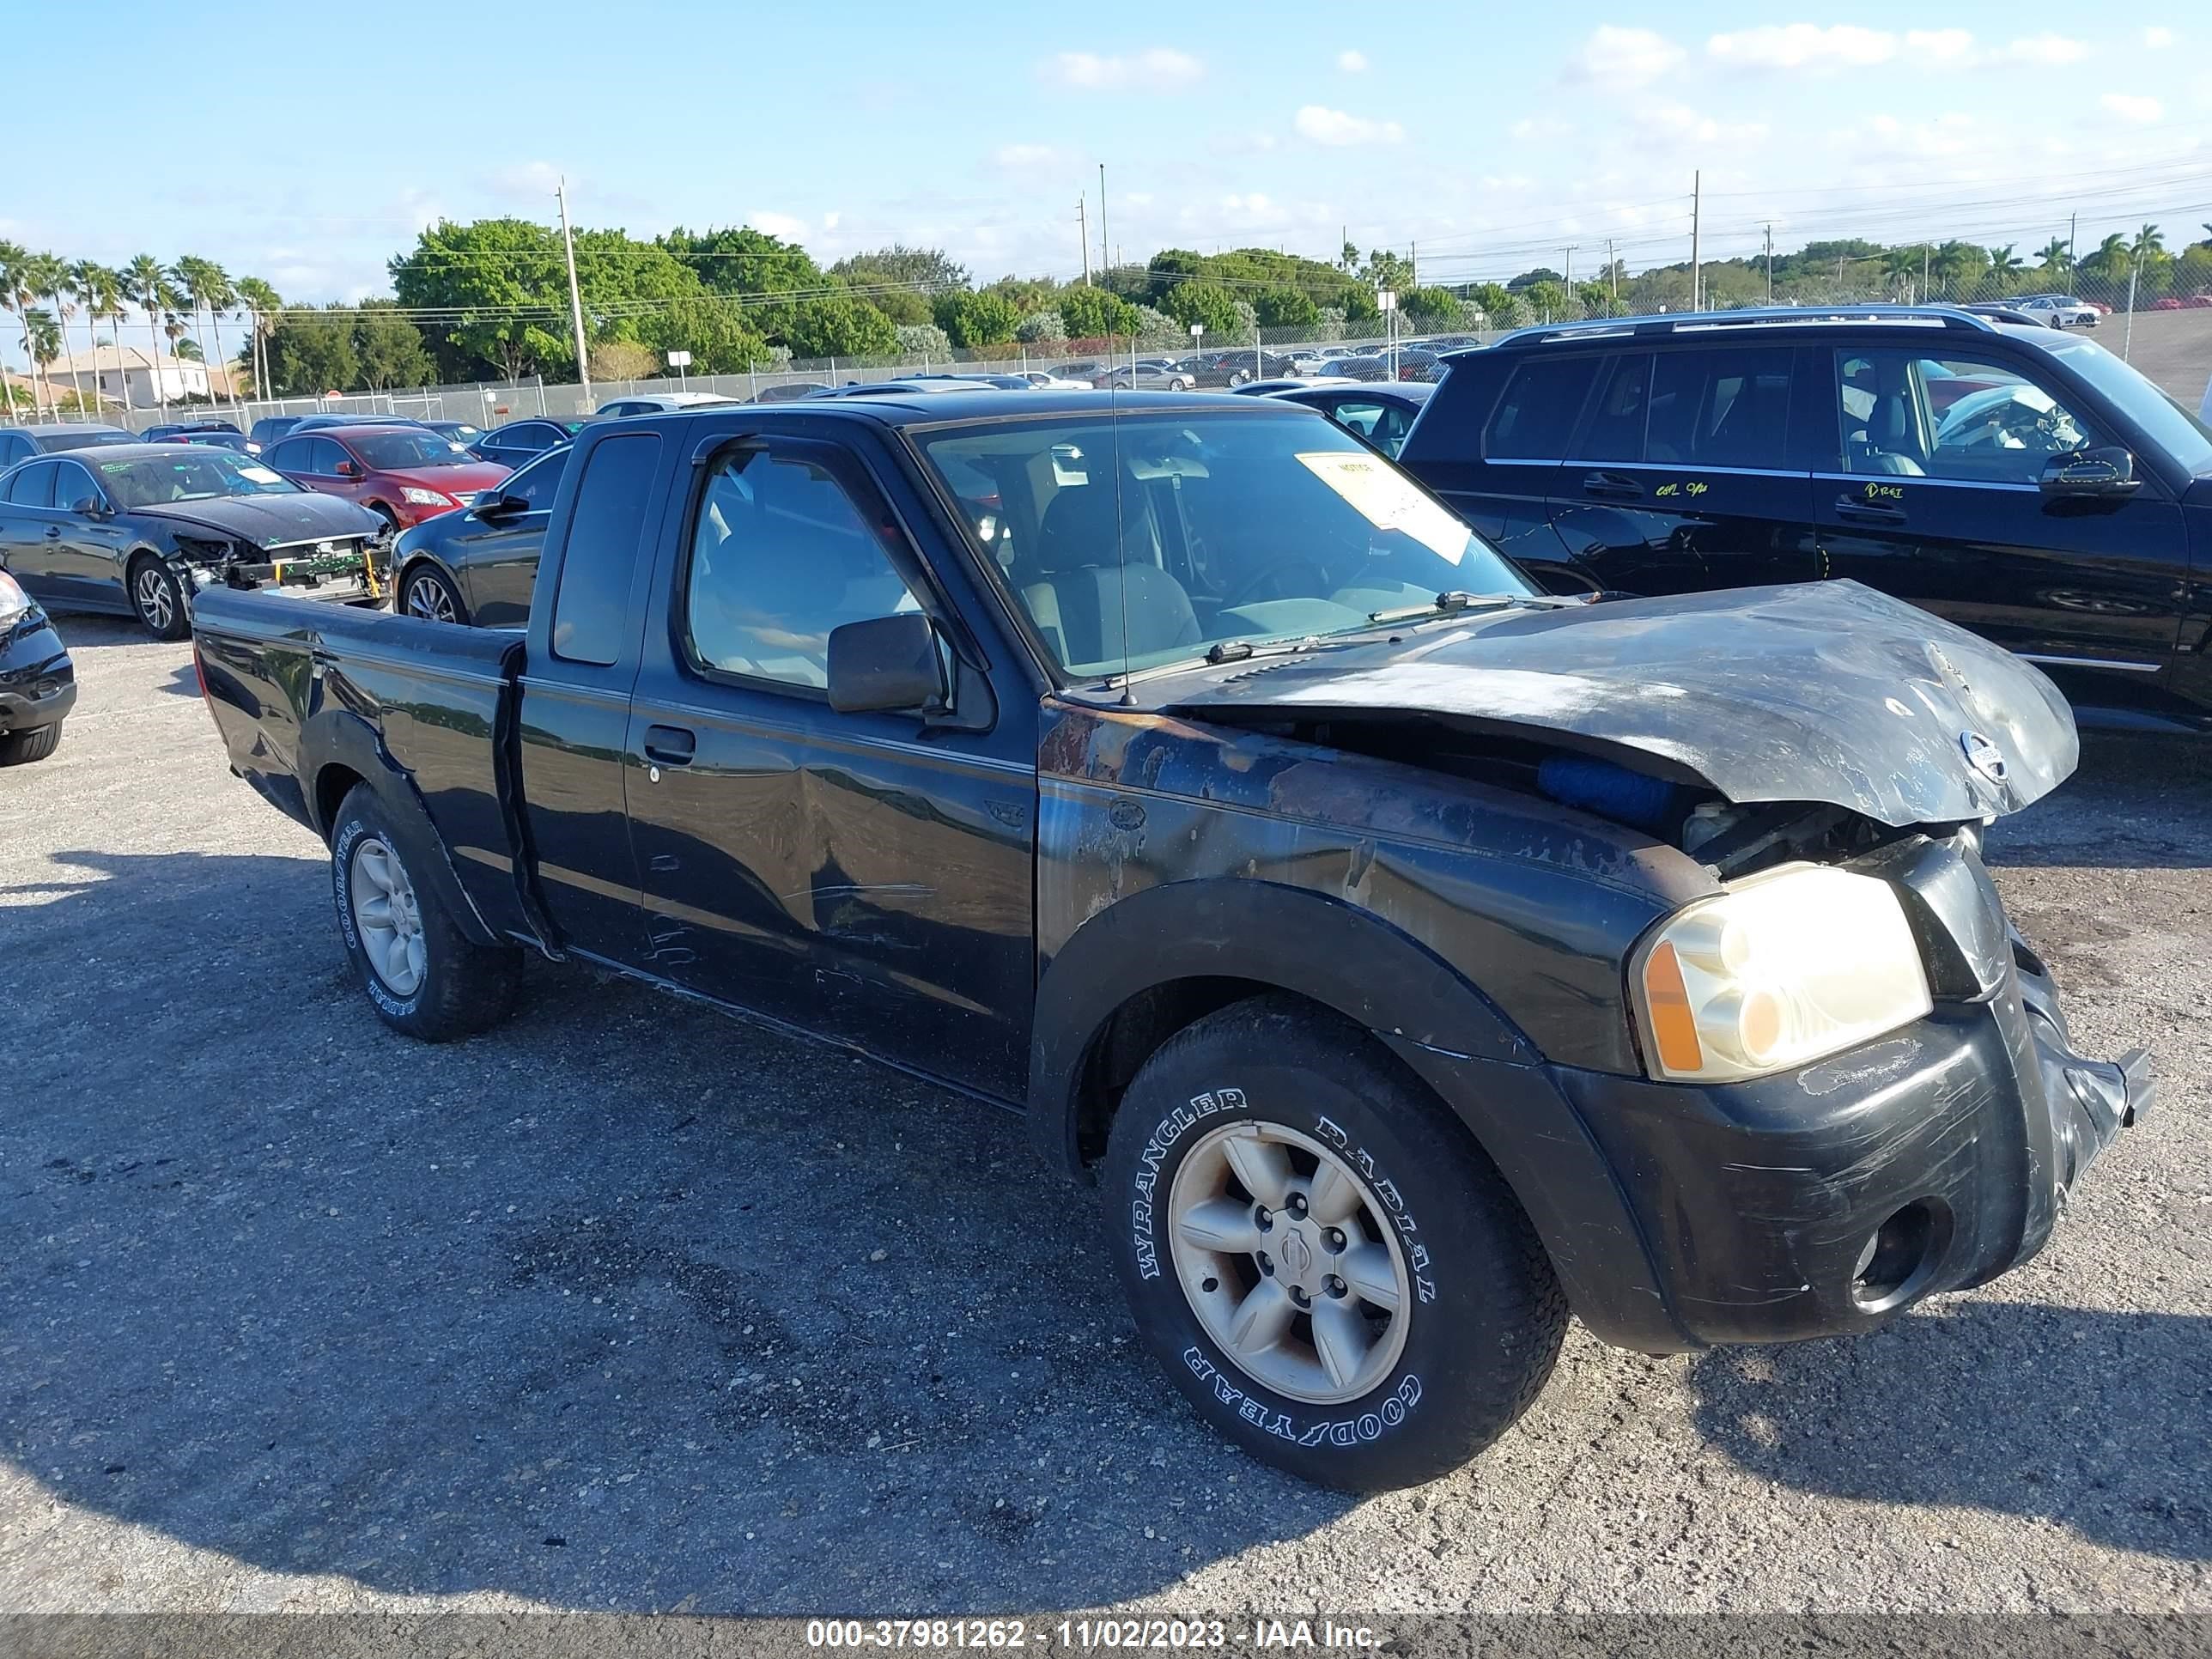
(885, 663)
(2105, 472)
(502, 506)
(348, 469)
(90, 507)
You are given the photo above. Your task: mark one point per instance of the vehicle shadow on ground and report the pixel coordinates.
(626, 1305)
(2135, 802)
(82, 629)
(2093, 1421)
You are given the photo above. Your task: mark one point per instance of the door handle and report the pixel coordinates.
(1859, 512)
(671, 745)
(1614, 485)
(53, 532)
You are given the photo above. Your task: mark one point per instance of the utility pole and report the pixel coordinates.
(1105, 248)
(576, 296)
(1924, 252)
(2072, 219)
(1612, 270)
(1697, 262)
(1414, 249)
(1083, 232)
(1770, 262)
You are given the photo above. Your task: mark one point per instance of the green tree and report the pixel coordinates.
(16, 297)
(1285, 307)
(505, 284)
(900, 281)
(262, 303)
(1210, 306)
(717, 329)
(2053, 255)
(1433, 308)
(311, 352)
(743, 260)
(389, 348)
(837, 325)
(1493, 299)
(2108, 261)
(977, 319)
(1037, 327)
(1548, 298)
(47, 276)
(41, 341)
(2004, 267)
(146, 284)
(1092, 314)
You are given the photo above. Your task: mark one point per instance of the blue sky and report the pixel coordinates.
(308, 145)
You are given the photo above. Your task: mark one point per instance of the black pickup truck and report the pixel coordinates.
(1409, 958)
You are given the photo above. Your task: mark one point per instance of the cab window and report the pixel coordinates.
(781, 555)
(32, 487)
(590, 608)
(1971, 420)
(1535, 418)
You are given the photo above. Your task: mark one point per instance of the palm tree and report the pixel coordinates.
(264, 302)
(2149, 244)
(106, 303)
(1898, 265)
(221, 295)
(2004, 264)
(48, 275)
(11, 261)
(193, 276)
(147, 286)
(2110, 260)
(82, 285)
(42, 339)
(2053, 253)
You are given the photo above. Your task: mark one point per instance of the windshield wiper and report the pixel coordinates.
(1449, 603)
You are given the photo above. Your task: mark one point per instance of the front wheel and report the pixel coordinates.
(22, 747)
(426, 593)
(425, 977)
(1330, 1269)
(157, 596)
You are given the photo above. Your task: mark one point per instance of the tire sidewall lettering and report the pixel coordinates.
(1271, 1420)
(348, 836)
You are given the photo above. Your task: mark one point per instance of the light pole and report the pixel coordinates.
(1387, 303)
(575, 298)
(1198, 329)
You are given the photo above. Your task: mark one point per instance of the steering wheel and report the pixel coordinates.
(1249, 589)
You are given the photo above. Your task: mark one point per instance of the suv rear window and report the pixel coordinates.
(1536, 417)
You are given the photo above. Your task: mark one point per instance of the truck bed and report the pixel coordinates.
(310, 697)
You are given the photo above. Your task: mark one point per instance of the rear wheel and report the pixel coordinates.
(425, 977)
(426, 593)
(158, 597)
(1332, 1272)
(22, 747)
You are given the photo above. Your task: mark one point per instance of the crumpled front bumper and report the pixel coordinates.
(38, 683)
(1823, 1202)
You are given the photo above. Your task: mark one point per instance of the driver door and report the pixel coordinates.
(1930, 492)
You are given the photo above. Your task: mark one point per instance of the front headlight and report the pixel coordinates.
(14, 603)
(424, 497)
(1786, 968)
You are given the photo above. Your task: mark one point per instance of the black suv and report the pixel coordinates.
(2024, 483)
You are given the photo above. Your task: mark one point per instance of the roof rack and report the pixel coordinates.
(1686, 322)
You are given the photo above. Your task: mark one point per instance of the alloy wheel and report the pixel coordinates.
(427, 598)
(1286, 1257)
(387, 916)
(157, 607)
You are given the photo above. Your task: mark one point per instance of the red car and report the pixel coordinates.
(406, 474)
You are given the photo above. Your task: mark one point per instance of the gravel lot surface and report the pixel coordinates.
(628, 1305)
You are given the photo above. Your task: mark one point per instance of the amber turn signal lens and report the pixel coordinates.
(1673, 1026)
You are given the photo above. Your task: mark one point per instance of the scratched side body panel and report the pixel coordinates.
(1535, 905)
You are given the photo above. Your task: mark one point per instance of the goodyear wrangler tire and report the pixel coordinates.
(422, 974)
(1329, 1267)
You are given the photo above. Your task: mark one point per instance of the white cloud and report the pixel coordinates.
(1336, 129)
(2052, 51)
(1157, 69)
(1351, 62)
(1679, 123)
(1025, 158)
(1615, 57)
(2156, 38)
(780, 225)
(2133, 107)
(1803, 46)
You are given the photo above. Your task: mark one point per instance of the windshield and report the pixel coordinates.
(199, 472)
(2173, 428)
(1188, 530)
(399, 452)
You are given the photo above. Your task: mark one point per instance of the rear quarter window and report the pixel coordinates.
(606, 528)
(1536, 415)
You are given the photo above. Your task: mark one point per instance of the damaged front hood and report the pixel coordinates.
(1824, 691)
(270, 520)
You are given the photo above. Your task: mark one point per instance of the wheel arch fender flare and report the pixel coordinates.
(1286, 938)
(334, 737)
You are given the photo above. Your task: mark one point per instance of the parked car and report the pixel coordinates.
(784, 391)
(143, 530)
(916, 385)
(2022, 483)
(658, 402)
(1360, 367)
(1414, 364)
(465, 433)
(1087, 373)
(402, 473)
(1383, 415)
(37, 681)
(2060, 310)
(477, 566)
(270, 427)
(20, 443)
(1043, 380)
(1267, 388)
(1400, 969)
(1148, 374)
(1236, 367)
(157, 433)
(2013, 313)
(318, 423)
(518, 441)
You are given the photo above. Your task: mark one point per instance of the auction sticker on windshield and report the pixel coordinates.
(259, 475)
(1388, 500)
